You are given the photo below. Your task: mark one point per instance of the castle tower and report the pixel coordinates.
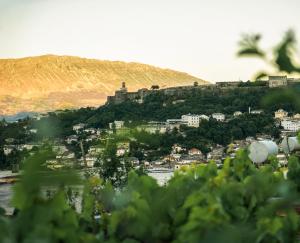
(123, 88)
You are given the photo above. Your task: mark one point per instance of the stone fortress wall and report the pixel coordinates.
(122, 94)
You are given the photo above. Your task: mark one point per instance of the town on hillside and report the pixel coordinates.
(161, 147)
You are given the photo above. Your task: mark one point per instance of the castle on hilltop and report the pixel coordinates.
(279, 81)
(122, 94)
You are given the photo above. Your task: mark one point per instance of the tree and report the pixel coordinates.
(113, 169)
(3, 161)
(153, 87)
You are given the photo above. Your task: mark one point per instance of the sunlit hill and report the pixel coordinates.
(56, 82)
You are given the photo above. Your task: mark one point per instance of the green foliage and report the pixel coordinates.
(205, 204)
(249, 46)
(294, 171)
(283, 57)
(38, 218)
(284, 53)
(114, 169)
(238, 203)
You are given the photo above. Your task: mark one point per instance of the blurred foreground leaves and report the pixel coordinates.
(238, 203)
(283, 58)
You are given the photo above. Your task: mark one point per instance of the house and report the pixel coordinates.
(216, 154)
(174, 102)
(68, 155)
(92, 137)
(90, 130)
(282, 159)
(78, 127)
(7, 149)
(277, 81)
(291, 125)
(116, 124)
(175, 157)
(171, 124)
(53, 164)
(256, 112)
(29, 146)
(40, 116)
(133, 161)
(154, 127)
(296, 116)
(122, 149)
(95, 150)
(192, 120)
(194, 151)
(90, 161)
(9, 140)
(60, 149)
(218, 116)
(180, 166)
(176, 148)
(187, 159)
(280, 114)
(71, 139)
(237, 113)
(33, 131)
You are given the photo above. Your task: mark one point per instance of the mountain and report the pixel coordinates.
(52, 82)
(16, 117)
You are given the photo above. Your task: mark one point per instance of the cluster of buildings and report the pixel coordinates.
(190, 120)
(180, 157)
(289, 123)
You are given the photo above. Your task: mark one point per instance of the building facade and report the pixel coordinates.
(277, 81)
(280, 114)
(218, 116)
(192, 120)
(291, 125)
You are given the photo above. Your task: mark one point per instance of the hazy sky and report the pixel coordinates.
(196, 36)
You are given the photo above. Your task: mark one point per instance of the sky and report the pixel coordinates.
(199, 37)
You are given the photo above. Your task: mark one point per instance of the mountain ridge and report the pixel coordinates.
(50, 82)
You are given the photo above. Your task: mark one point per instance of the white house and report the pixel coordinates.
(191, 120)
(116, 124)
(291, 125)
(218, 116)
(90, 130)
(122, 149)
(237, 113)
(280, 114)
(257, 112)
(7, 149)
(78, 127)
(33, 131)
(90, 161)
